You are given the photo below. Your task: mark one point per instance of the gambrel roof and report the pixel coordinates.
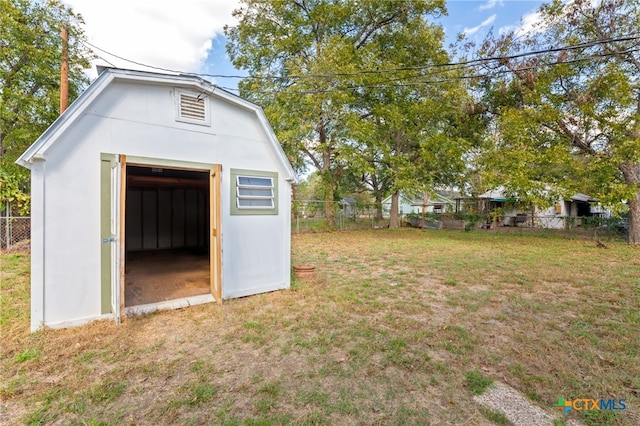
(38, 150)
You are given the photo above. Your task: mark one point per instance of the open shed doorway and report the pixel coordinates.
(167, 234)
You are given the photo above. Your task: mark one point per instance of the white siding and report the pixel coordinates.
(139, 120)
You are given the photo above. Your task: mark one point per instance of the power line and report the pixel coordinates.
(384, 84)
(156, 67)
(451, 65)
(104, 59)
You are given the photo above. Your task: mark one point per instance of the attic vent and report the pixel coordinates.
(192, 108)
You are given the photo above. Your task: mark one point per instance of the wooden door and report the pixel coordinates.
(215, 244)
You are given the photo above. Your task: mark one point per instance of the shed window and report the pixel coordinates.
(192, 108)
(254, 192)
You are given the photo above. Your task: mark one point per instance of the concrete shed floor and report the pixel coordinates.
(157, 276)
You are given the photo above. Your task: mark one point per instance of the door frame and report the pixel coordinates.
(215, 222)
(120, 240)
(215, 233)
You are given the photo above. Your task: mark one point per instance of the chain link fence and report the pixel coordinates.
(13, 230)
(311, 216)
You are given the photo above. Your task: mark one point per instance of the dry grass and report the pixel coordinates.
(388, 334)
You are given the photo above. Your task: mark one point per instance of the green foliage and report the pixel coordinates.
(410, 131)
(599, 417)
(311, 188)
(11, 192)
(568, 121)
(107, 391)
(351, 126)
(202, 393)
(30, 57)
(267, 397)
(476, 382)
(495, 416)
(28, 354)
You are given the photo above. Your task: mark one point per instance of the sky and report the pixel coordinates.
(188, 35)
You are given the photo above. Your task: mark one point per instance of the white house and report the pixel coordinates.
(439, 202)
(155, 191)
(406, 205)
(554, 217)
(436, 203)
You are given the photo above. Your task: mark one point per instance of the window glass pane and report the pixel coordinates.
(256, 192)
(254, 181)
(251, 202)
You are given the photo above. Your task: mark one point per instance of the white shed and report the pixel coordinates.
(155, 191)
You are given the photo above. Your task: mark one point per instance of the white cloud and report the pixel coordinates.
(163, 33)
(486, 22)
(529, 24)
(490, 4)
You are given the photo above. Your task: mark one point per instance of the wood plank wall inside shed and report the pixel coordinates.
(164, 218)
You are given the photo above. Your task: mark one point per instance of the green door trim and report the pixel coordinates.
(106, 161)
(105, 232)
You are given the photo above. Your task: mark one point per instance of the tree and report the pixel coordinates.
(306, 59)
(375, 176)
(568, 117)
(30, 56)
(415, 124)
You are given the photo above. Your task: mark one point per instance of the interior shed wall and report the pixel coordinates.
(165, 219)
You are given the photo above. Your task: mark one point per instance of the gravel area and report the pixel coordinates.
(518, 409)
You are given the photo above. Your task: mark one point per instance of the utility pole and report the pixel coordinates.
(64, 71)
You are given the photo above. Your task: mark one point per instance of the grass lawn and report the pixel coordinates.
(400, 327)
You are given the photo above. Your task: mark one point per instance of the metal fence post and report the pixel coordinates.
(7, 213)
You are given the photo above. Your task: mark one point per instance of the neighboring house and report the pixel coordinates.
(155, 191)
(516, 214)
(441, 202)
(405, 205)
(574, 208)
(581, 205)
(348, 207)
(495, 199)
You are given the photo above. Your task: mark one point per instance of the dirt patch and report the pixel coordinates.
(157, 276)
(22, 247)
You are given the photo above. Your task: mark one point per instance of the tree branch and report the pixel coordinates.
(367, 31)
(576, 140)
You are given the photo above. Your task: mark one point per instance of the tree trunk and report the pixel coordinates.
(394, 222)
(634, 220)
(377, 193)
(327, 177)
(425, 202)
(378, 205)
(631, 174)
(329, 204)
